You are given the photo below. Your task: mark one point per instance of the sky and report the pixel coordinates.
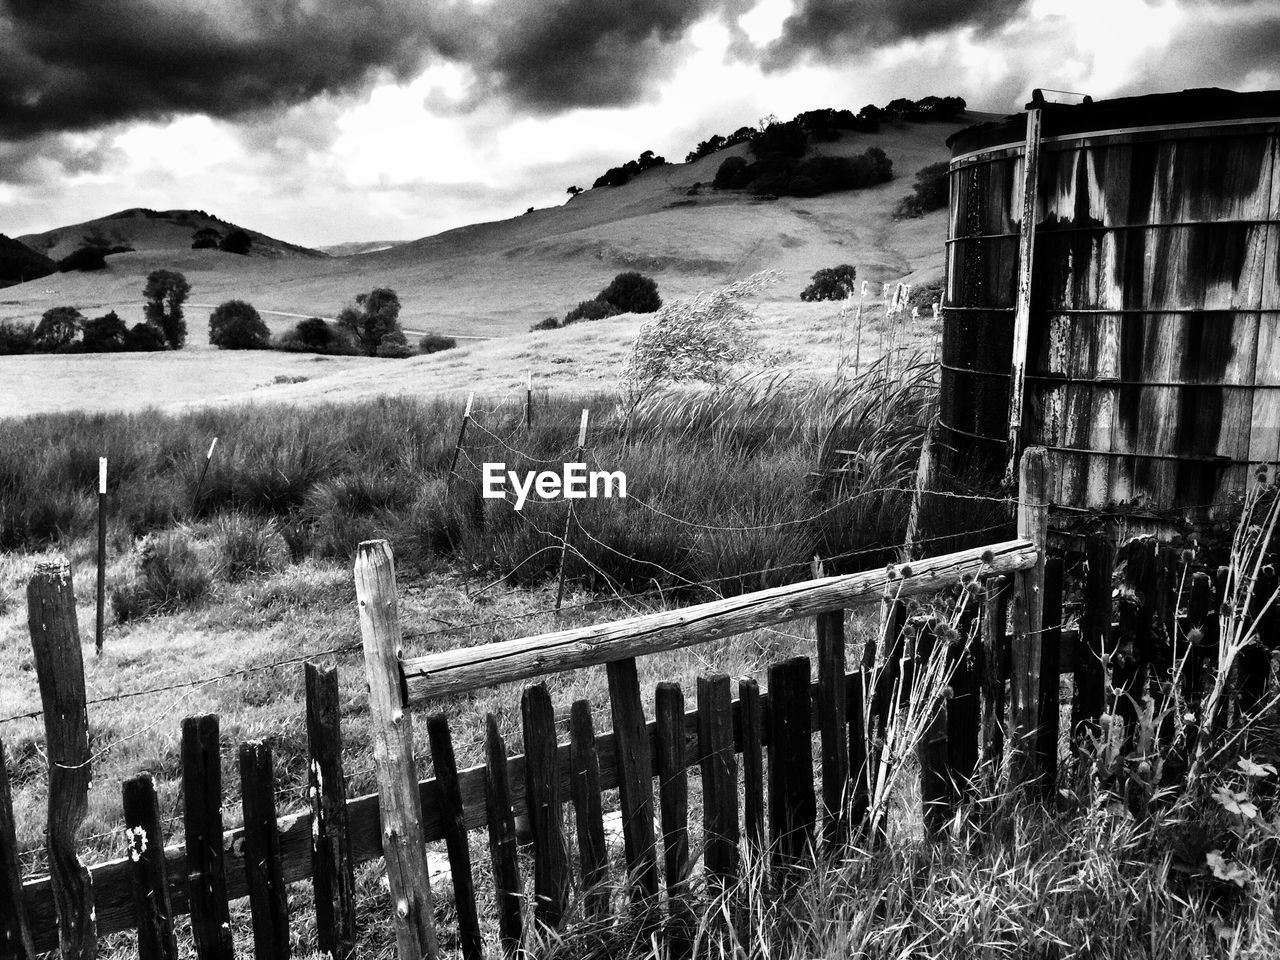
(323, 121)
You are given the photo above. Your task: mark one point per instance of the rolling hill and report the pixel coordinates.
(153, 230)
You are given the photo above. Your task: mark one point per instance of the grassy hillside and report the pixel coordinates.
(153, 230)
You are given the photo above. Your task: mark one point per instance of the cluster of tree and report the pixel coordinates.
(831, 283)
(825, 125)
(617, 176)
(66, 330)
(207, 238)
(19, 263)
(930, 191)
(628, 292)
(787, 174)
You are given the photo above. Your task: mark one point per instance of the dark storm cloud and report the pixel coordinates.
(827, 28)
(80, 64)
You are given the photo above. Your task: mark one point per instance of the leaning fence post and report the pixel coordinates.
(462, 433)
(399, 802)
(568, 518)
(1026, 644)
(55, 640)
(15, 930)
(102, 553)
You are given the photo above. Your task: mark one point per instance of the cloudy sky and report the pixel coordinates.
(319, 121)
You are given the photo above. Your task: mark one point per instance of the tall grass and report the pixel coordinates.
(741, 484)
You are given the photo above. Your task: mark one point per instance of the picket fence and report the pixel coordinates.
(1002, 708)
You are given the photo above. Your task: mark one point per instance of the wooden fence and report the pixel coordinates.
(787, 808)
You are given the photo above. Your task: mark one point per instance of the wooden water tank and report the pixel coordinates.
(1153, 312)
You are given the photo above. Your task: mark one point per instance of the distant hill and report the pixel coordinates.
(19, 263)
(354, 248)
(153, 230)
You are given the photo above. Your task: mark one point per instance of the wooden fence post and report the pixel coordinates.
(15, 930)
(332, 866)
(102, 555)
(995, 672)
(719, 782)
(152, 907)
(584, 788)
(503, 850)
(792, 804)
(400, 803)
(635, 781)
(673, 796)
(1050, 679)
(202, 828)
(1026, 645)
(568, 517)
(833, 724)
(455, 836)
(55, 641)
(935, 787)
(751, 740)
(542, 796)
(268, 898)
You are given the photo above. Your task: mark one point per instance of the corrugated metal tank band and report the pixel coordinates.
(1153, 359)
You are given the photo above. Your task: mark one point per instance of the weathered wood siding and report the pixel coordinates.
(1154, 363)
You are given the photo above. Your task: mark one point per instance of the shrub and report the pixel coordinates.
(632, 292)
(106, 334)
(235, 325)
(237, 241)
(58, 328)
(831, 283)
(248, 545)
(373, 315)
(788, 139)
(590, 310)
(931, 191)
(206, 238)
(84, 259)
(146, 338)
(435, 342)
(317, 335)
(165, 292)
(547, 323)
(168, 577)
(17, 339)
(394, 345)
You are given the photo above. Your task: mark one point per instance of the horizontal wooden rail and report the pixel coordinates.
(470, 668)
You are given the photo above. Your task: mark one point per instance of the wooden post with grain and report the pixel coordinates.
(15, 930)
(153, 908)
(1022, 314)
(1026, 643)
(400, 805)
(55, 641)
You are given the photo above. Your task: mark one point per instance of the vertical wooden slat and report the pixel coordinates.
(508, 890)
(751, 740)
(268, 898)
(719, 781)
(1022, 312)
(792, 804)
(55, 641)
(332, 870)
(964, 713)
(399, 802)
(1027, 642)
(584, 788)
(673, 795)
(1050, 679)
(931, 752)
(1095, 633)
(455, 836)
(152, 908)
(15, 930)
(202, 822)
(635, 780)
(833, 725)
(542, 793)
(859, 789)
(995, 672)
